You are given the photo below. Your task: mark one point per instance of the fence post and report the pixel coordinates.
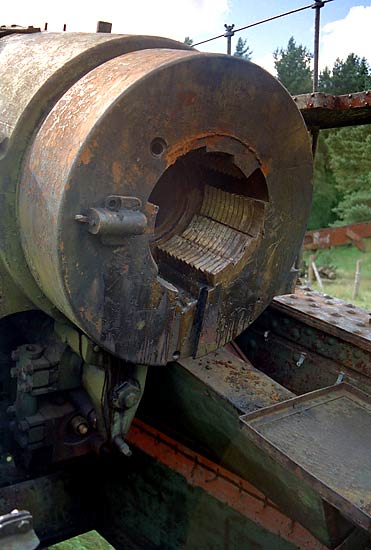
(357, 279)
(310, 270)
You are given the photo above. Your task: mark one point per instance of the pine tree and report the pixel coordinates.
(350, 161)
(293, 67)
(351, 75)
(325, 193)
(242, 49)
(342, 177)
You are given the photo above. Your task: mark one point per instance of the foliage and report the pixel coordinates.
(342, 182)
(242, 49)
(325, 193)
(187, 40)
(350, 162)
(351, 75)
(293, 67)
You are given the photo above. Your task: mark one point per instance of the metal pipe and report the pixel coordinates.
(228, 34)
(317, 7)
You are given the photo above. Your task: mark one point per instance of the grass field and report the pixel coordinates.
(344, 258)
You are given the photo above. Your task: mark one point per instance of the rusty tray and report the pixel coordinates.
(324, 437)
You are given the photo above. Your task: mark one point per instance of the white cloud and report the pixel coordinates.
(170, 18)
(344, 36)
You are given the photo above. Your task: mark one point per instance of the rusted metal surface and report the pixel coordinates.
(35, 71)
(306, 352)
(338, 236)
(226, 487)
(325, 438)
(220, 181)
(330, 315)
(236, 380)
(16, 29)
(330, 111)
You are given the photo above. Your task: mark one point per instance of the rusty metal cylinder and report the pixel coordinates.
(192, 172)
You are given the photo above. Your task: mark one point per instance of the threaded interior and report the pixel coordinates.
(210, 213)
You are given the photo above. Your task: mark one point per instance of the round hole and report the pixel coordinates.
(113, 204)
(176, 355)
(158, 147)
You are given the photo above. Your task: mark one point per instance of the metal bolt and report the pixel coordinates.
(24, 526)
(81, 218)
(79, 425)
(301, 359)
(122, 446)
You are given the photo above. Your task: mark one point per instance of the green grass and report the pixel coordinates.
(344, 258)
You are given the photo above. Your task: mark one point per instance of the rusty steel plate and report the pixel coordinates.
(324, 437)
(329, 314)
(334, 111)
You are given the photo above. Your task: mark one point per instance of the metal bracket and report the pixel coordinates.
(16, 531)
(120, 218)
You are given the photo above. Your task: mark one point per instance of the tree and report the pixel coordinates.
(187, 40)
(351, 75)
(342, 176)
(293, 67)
(326, 196)
(242, 49)
(350, 161)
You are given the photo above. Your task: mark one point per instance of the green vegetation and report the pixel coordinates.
(242, 49)
(342, 177)
(344, 258)
(293, 67)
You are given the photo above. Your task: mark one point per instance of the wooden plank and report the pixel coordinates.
(338, 236)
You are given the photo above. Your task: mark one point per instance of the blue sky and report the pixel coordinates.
(337, 24)
(345, 24)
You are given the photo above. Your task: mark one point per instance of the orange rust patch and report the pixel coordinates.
(86, 155)
(266, 167)
(117, 172)
(183, 147)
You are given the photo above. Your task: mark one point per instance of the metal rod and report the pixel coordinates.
(263, 21)
(228, 34)
(317, 7)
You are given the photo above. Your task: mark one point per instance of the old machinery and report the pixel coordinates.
(153, 202)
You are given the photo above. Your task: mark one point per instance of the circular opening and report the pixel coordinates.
(176, 355)
(209, 213)
(158, 147)
(113, 203)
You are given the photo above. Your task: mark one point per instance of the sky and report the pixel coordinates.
(345, 24)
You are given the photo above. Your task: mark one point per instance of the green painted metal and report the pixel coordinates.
(190, 402)
(155, 508)
(88, 541)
